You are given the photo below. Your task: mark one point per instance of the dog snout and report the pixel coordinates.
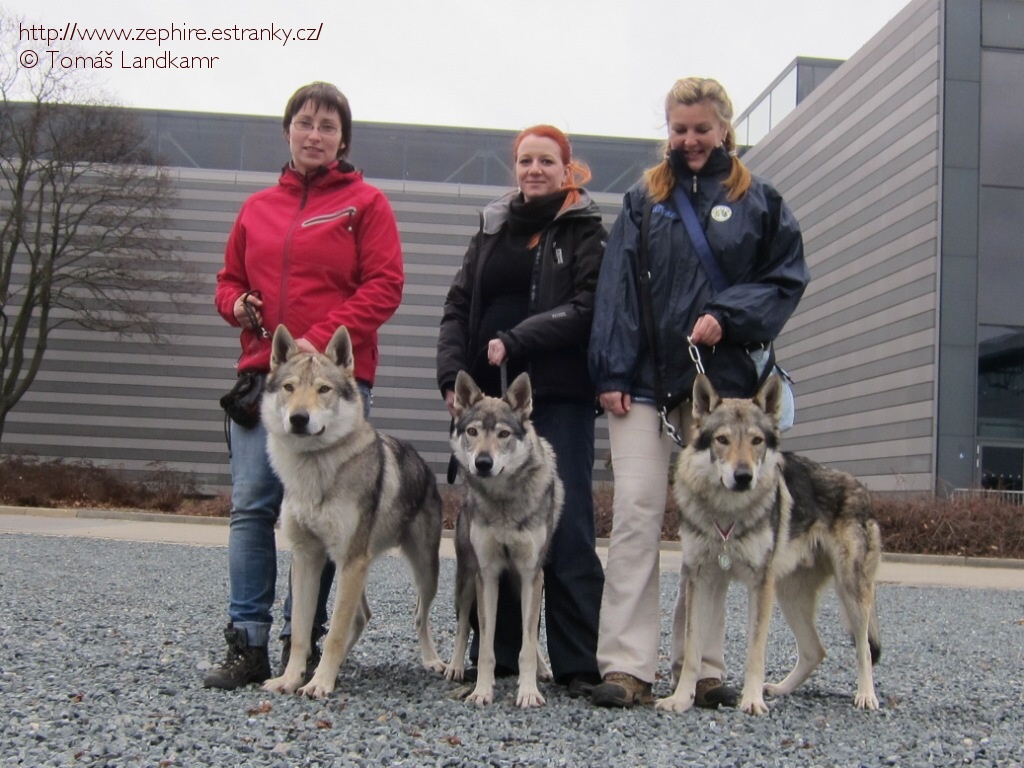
(299, 421)
(484, 464)
(742, 478)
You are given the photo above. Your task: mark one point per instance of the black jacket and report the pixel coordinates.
(757, 243)
(552, 340)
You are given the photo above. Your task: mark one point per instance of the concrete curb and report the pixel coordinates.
(666, 546)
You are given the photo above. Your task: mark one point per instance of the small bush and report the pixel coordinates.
(923, 525)
(29, 481)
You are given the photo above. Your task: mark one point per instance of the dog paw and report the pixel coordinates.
(454, 672)
(754, 705)
(435, 665)
(282, 684)
(865, 700)
(529, 697)
(481, 696)
(317, 688)
(674, 704)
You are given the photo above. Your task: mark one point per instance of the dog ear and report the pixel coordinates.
(282, 346)
(339, 349)
(705, 398)
(467, 393)
(769, 399)
(520, 396)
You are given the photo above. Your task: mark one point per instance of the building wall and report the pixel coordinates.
(858, 161)
(123, 403)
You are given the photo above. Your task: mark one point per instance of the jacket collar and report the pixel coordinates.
(495, 214)
(718, 165)
(336, 172)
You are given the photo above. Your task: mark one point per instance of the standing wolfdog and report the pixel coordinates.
(350, 493)
(781, 524)
(512, 504)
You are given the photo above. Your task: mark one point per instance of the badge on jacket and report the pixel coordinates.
(721, 213)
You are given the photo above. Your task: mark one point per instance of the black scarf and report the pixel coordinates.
(527, 218)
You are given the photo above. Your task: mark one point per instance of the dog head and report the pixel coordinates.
(738, 435)
(491, 435)
(309, 397)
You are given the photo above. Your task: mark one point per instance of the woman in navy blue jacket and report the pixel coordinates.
(757, 245)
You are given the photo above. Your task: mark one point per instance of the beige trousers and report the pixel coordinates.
(630, 626)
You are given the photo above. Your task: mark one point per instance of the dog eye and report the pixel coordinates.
(288, 387)
(722, 440)
(757, 440)
(504, 434)
(471, 431)
(324, 389)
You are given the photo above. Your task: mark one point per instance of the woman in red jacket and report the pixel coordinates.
(318, 250)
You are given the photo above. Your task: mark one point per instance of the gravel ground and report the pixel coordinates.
(103, 645)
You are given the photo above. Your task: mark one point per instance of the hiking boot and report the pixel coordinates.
(621, 690)
(582, 685)
(244, 664)
(712, 692)
(312, 661)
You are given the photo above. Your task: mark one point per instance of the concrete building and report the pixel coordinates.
(902, 164)
(904, 168)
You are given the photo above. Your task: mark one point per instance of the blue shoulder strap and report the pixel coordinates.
(693, 228)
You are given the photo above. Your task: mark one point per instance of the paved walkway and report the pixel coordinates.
(914, 570)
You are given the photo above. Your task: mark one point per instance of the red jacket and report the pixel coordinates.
(323, 251)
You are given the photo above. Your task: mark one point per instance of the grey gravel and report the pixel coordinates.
(103, 645)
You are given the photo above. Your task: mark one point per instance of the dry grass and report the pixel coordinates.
(968, 528)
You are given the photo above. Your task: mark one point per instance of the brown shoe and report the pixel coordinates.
(618, 689)
(712, 692)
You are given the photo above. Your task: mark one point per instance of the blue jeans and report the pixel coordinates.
(256, 494)
(573, 575)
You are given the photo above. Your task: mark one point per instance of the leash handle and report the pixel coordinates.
(504, 377)
(667, 425)
(695, 355)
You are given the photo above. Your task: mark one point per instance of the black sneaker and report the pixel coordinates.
(582, 685)
(712, 692)
(244, 664)
(312, 661)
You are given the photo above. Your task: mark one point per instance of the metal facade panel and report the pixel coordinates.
(858, 161)
(125, 404)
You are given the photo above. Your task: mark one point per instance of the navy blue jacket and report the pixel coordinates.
(553, 339)
(757, 243)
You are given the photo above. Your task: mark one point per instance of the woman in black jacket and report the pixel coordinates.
(524, 297)
(756, 244)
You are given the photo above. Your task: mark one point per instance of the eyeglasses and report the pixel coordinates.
(306, 126)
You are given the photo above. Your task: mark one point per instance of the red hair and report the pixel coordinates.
(577, 172)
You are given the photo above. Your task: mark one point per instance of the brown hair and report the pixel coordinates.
(578, 172)
(660, 179)
(322, 96)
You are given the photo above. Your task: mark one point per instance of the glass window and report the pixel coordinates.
(784, 97)
(1002, 104)
(1002, 468)
(1001, 382)
(759, 122)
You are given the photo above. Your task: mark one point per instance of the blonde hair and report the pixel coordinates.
(577, 172)
(660, 179)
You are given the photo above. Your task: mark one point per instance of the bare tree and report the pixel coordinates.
(83, 211)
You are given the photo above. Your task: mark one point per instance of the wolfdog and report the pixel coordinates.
(511, 506)
(779, 523)
(350, 493)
